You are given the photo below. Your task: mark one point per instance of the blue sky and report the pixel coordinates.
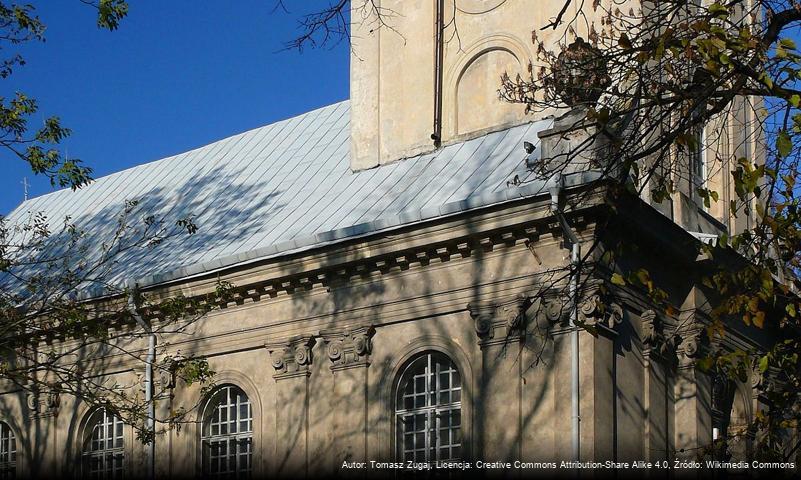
(178, 74)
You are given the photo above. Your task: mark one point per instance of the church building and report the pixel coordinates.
(406, 286)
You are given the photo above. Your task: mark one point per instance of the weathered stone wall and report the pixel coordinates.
(393, 73)
(320, 364)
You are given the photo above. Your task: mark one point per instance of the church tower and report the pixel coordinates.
(426, 73)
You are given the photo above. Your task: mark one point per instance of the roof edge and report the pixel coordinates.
(331, 237)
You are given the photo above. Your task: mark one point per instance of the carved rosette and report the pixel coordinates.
(349, 347)
(596, 311)
(292, 357)
(498, 323)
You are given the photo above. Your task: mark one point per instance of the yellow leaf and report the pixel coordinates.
(759, 319)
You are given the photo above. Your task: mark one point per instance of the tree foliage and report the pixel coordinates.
(678, 67)
(61, 314)
(38, 147)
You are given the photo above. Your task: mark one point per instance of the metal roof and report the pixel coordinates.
(284, 187)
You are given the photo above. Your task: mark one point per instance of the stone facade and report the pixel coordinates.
(320, 365)
(319, 342)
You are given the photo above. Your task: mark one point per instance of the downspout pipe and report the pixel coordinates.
(150, 423)
(555, 188)
(439, 54)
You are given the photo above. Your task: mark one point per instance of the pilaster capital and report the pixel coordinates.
(651, 330)
(600, 311)
(548, 311)
(349, 347)
(292, 357)
(498, 323)
(43, 402)
(690, 343)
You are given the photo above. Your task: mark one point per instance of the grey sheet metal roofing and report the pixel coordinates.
(285, 187)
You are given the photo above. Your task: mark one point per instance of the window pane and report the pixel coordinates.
(103, 455)
(228, 432)
(8, 452)
(436, 382)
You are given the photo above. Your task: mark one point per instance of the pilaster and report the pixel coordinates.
(501, 330)
(692, 393)
(656, 440)
(292, 360)
(349, 350)
(601, 316)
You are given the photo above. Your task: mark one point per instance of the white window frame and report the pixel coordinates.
(442, 426)
(223, 429)
(103, 454)
(8, 452)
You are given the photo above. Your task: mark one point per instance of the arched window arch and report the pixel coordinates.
(428, 409)
(227, 434)
(730, 419)
(8, 452)
(103, 452)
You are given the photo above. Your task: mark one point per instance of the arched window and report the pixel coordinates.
(8, 452)
(729, 420)
(103, 447)
(428, 410)
(227, 434)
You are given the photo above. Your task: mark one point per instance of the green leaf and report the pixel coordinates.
(618, 279)
(763, 364)
(718, 10)
(784, 145)
(110, 13)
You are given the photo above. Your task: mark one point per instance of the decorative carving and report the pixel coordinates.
(594, 311)
(553, 310)
(499, 323)
(764, 382)
(651, 335)
(163, 380)
(549, 311)
(483, 316)
(43, 402)
(292, 357)
(690, 343)
(757, 376)
(349, 347)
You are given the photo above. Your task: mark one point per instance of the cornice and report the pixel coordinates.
(475, 235)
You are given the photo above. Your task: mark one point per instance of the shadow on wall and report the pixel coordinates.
(36, 439)
(406, 305)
